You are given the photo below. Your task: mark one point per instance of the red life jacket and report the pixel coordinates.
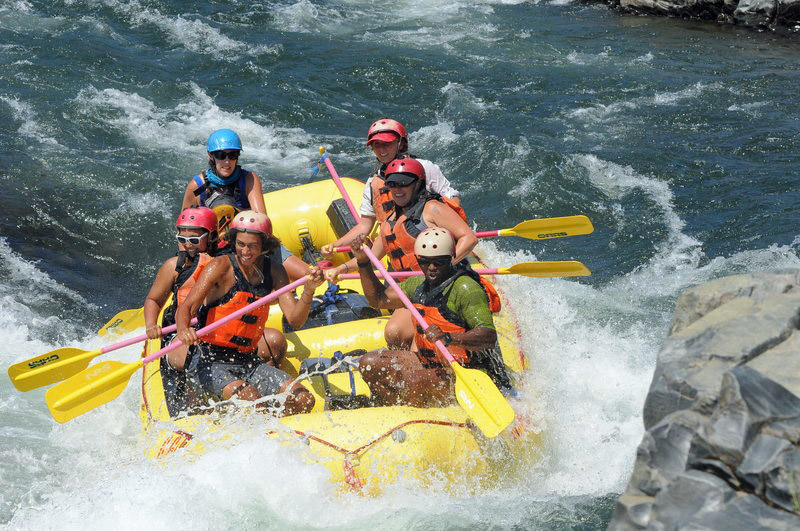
(400, 233)
(187, 276)
(242, 333)
(433, 306)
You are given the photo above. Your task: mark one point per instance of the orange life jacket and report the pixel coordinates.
(382, 200)
(242, 333)
(400, 233)
(433, 306)
(187, 276)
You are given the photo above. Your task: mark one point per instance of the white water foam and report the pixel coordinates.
(192, 34)
(599, 113)
(185, 128)
(29, 127)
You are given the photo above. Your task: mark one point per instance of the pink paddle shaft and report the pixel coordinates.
(139, 339)
(406, 274)
(484, 234)
(379, 266)
(228, 318)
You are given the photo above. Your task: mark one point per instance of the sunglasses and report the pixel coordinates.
(194, 240)
(392, 184)
(438, 261)
(222, 155)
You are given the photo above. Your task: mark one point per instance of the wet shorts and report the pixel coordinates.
(213, 368)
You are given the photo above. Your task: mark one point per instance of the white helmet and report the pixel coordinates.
(435, 241)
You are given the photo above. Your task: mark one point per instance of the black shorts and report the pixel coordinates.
(212, 368)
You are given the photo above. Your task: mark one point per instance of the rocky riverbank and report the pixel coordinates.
(722, 446)
(771, 14)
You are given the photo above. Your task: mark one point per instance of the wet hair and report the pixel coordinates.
(268, 243)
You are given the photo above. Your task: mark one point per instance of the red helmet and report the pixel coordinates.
(386, 130)
(252, 221)
(196, 217)
(404, 171)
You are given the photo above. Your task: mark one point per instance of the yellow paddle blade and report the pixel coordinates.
(546, 228)
(568, 268)
(89, 389)
(124, 322)
(50, 368)
(482, 400)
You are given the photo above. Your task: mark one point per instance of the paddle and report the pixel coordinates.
(124, 322)
(534, 229)
(105, 381)
(62, 363)
(569, 268)
(475, 391)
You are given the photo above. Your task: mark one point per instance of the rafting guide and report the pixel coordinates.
(238, 359)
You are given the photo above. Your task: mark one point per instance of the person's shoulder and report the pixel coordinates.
(169, 264)
(429, 166)
(466, 283)
(410, 284)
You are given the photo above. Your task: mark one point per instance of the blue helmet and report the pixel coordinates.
(223, 139)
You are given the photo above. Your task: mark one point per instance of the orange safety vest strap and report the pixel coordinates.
(428, 354)
(188, 284)
(494, 298)
(242, 333)
(382, 200)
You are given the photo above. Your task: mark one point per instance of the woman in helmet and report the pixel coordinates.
(389, 141)
(196, 232)
(226, 184)
(239, 358)
(414, 210)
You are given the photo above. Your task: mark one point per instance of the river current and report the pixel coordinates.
(678, 139)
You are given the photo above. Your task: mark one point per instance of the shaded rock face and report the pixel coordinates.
(722, 447)
(753, 13)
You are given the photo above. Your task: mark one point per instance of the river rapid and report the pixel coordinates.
(678, 139)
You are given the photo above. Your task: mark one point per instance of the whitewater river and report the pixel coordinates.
(679, 140)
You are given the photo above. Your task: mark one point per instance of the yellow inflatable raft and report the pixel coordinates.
(363, 447)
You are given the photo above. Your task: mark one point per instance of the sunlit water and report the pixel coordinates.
(679, 141)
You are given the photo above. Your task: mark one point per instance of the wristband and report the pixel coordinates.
(363, 264)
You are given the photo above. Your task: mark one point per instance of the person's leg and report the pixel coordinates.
(270, 381)
(241, 390)
(177, 358)
(272, 347)
(400, 330)
(398, 377)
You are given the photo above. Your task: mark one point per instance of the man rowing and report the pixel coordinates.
(240, 359)
(455, 304)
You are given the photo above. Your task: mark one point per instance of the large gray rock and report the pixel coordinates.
(754, 13)
(722, 447)
(693, 359)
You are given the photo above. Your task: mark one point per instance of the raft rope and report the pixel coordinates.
(350, 476)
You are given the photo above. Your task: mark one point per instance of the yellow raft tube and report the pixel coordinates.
(364, 448)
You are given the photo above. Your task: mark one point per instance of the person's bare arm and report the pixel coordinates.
(255, 193)
(189, 199)
(437, 214)
(376, 293)
(296, 311)
(157, 296)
